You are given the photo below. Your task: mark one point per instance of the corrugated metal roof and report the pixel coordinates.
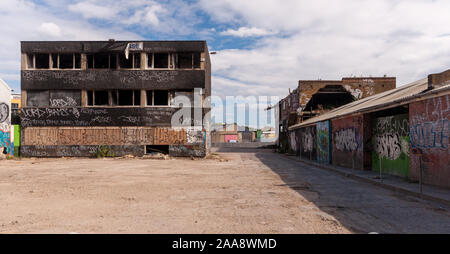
(376, 101)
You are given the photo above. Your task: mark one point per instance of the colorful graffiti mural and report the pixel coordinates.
(390, 139)
(324, 142)
(429, 133)
(6, 143)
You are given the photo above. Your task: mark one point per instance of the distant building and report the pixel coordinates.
(16, 102)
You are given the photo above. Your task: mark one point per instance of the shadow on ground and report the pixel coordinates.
(358, 206)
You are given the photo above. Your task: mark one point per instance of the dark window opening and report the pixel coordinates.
(90, 98)
(66, 61)
(101, 61)
(55, 61)
(42, 61)
(152, 149)
(30, 61)
(161, 60)
(149, 60)
(133, 61)
(137, 60)
(113, 61)
(126, 97)
(196, 60)
(149, 98)
(77, 61)
(161, 98)
(101, 98)
(185, 61)
(114, 98)
(137, 97)
(126, 63)
(90, 61)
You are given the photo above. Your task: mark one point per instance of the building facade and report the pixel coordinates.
(6, 137)
(404, 132)
(315, 97)
(132, 97)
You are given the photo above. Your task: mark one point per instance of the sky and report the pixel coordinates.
(263, 46)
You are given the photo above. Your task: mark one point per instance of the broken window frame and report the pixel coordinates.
(193, 64)
(114, 98)
(170, 61)
(33, 59)
(133, 61)
(111, 56)
(169, 104)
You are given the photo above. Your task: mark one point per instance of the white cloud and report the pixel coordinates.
(331, 39)
(50, 29)
(28, 21)
(246, 32)
(91, 10)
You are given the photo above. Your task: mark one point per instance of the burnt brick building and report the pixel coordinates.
(126, 96)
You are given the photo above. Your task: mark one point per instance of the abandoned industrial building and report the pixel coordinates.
(315, 97)
(403, 132)
(78, 96)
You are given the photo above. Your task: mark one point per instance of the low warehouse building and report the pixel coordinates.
(124, 97)
(402, 132)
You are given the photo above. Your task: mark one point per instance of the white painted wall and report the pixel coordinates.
(5, 117)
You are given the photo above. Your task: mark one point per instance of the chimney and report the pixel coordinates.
(439, 79)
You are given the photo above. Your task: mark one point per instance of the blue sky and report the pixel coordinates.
(263, 46)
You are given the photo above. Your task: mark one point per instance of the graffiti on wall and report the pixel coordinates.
(367, 88)
(293, 141)
(63, 102)
(6, 145)
(4, 113)
(51, 136)
(323, 142)
(307, 141)
(430, 135)
(430, 130)
(391, 136)
(347, 140)
(391, 145)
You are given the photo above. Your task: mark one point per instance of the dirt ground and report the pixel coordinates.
(233, 192)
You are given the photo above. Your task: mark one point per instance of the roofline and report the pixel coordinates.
(340, 80)
(424, 95)
(119, 41)
(5, 84)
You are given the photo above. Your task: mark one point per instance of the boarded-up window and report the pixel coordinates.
(38, 98)
(65, 98)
